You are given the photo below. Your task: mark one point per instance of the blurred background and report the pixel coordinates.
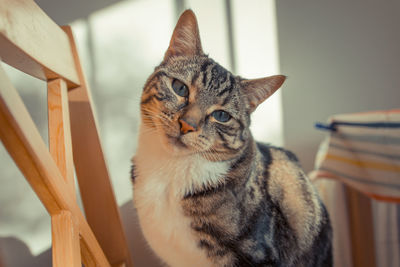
(340, 56)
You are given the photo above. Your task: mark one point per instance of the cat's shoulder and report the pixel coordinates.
(270, 153)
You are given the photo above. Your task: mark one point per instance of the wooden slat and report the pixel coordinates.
(92, 173)
(25, 145)
(22, 140)
(59, 130)
(361, 229)
(65, 241)
(31, 42)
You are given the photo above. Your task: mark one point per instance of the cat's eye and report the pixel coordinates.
(180, 88)
(221, 115)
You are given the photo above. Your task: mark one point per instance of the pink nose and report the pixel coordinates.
(186, 127)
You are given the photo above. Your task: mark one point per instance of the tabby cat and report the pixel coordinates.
(206, 193)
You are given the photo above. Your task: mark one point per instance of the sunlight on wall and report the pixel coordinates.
(256, 45)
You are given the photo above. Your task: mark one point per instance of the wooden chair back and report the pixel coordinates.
(31, 42)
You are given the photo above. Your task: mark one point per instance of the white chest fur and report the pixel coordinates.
(161, 183)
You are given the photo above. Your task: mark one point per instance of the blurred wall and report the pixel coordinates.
(340, 56)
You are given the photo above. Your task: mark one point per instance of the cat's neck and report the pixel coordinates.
(184, 174)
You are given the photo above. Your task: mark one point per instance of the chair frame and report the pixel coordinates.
(31, 42)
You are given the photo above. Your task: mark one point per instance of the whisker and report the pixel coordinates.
(150, 113)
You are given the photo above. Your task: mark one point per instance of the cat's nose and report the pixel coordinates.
(187, 126)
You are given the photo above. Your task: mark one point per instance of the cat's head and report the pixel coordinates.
(195, 105)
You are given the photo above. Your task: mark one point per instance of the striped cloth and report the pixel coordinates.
(363, 151)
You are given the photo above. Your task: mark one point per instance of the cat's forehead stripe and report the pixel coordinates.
(213, 74)
(195, 77)
(229, 83)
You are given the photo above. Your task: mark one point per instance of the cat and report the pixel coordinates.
(205, 192)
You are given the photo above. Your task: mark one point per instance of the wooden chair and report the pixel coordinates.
(31, 42)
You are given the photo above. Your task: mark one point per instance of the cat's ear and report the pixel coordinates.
(258, 90)
(185, 40)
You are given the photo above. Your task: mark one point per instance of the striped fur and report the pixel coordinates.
(213, 196)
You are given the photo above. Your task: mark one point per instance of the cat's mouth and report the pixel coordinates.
(183, 146)
(180, 144)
